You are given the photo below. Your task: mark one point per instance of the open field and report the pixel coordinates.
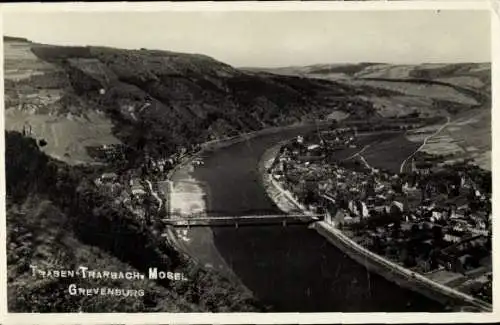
(67, 136)
(467, 136)
(21, 63)
(435, 92)
(390, 153)
(363, 141)
(430, 89)
(401, 105)
(464, 81)
(34, 104)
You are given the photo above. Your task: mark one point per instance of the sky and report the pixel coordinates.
(273, 39)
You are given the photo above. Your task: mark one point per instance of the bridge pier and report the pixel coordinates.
(284, 223)
(236, 224)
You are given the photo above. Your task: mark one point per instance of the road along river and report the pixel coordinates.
(289, 269)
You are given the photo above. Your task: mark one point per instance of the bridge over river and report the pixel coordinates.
(288, 269)
(237, 221)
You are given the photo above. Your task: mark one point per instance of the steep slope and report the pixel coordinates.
(57, 220)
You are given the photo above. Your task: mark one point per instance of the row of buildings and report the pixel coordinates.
(421, 219)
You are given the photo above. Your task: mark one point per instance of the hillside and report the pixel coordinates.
(466, 81)
(474, 75)
(159, 101)
(461, 91)
(137, 97)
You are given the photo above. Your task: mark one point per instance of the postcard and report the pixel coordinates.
(276, 162)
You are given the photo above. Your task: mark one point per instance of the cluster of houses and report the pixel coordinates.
(130, 191)
(138, 189)
(107, 152)
(386, 212)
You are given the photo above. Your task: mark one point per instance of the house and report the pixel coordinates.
(424, 265)
(138, 191)
(436, 215)
(108, 177)
(313, 147)
(399, 205)
(364, 210)
(136, 188)
(353, 207)
(478, 231)
(451, 238)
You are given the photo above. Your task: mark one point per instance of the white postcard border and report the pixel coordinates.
(264, 318)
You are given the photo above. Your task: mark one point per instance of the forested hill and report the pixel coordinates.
(57, 220)
(159, 101)
(179, 99)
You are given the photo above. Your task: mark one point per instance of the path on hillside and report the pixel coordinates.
(367, 165)
(448, 120)
(359, 152)
(363, 160)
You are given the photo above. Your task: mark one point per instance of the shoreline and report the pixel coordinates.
(285, 201)
(378, 264)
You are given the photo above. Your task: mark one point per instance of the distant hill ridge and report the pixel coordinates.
(15, 39)
(193, 97)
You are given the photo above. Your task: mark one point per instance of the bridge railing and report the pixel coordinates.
(195, 217)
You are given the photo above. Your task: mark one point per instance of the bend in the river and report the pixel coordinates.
(289, 269)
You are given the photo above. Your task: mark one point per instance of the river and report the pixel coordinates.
(288, 269)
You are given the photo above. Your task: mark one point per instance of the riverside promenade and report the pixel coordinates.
(398, 274)
(386, 268)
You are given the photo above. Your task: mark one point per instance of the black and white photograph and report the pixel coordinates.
(248, 161)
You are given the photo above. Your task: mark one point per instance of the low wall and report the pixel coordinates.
(396, 273)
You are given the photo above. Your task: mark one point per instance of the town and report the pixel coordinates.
(433, 218)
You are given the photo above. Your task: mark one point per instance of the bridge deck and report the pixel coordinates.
(242, 220)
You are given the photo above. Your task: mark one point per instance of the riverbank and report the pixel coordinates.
(373, 262)
(397, 274)
(287, 269)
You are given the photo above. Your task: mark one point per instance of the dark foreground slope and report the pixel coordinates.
(57, 220)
